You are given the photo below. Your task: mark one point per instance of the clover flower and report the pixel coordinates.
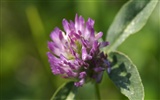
(75, 53)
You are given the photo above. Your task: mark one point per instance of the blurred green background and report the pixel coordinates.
(25, 28)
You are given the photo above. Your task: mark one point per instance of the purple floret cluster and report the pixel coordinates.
(75, 52)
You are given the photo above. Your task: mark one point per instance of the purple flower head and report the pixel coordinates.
(76, 53)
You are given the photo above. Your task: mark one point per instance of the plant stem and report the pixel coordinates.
(97, 91)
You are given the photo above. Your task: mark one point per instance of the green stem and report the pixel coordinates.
(97, 91)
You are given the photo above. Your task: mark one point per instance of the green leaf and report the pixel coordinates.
(125, 76)
(66, 92)
(130, 19)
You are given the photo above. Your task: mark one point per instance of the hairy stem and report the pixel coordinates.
(97, 91)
